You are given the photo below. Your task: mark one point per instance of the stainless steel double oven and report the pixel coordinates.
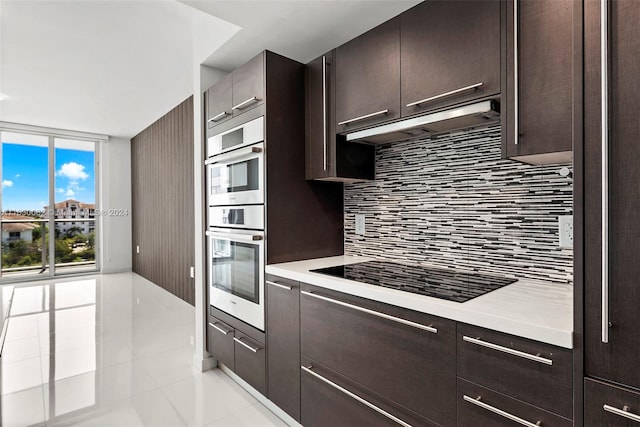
(235, 174)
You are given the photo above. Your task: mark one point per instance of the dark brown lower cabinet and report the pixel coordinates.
(220, 341)
(531, 371)
(250, 361)
(481, 407)
(283, 344)
(610, 406)
(332, 400)
(405, 356)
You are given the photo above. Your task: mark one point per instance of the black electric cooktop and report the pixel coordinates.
(450, 285)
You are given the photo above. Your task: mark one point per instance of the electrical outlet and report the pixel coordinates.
(137, 249)
(192, 272)
(359, 224)
(565, 230)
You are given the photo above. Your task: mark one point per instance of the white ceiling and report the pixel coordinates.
(114, 67)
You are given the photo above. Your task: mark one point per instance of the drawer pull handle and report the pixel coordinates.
(213, 325)
(624, 412)
(508, 350)
(218, 116)
(500, 412)
(373, 313)
(245, 103)
(444, 95)
(366, 116)
(354, 396)
(245, 345)
(278, 285)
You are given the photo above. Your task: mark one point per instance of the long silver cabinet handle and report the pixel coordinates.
(245, 103)
(444, 95)
(354, 396)
(366, 116)
(622, 412)
(373, 313)
(218, 116)
(324, 111)
(508, 350)
(244, 344)
(218, 328)
(278, 285)
(516, 101)
(477, 402)
(604, 59)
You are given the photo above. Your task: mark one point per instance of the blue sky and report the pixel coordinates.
(25, 176)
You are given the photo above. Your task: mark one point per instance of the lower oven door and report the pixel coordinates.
(235, 260)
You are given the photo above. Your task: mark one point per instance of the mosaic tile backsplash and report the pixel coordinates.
(452, 202)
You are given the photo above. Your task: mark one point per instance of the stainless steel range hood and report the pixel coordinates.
(464, 117)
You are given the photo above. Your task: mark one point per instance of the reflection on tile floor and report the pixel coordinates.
(112, 350)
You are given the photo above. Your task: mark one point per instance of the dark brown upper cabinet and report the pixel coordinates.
(330, 157)
(368, 78)
(219, 101)
(248, 85)
(539, 114)
(450, 54)
(237, 92)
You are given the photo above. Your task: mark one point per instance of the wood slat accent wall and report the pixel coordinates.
(162, 201)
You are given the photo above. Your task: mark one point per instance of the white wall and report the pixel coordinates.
(115, 194)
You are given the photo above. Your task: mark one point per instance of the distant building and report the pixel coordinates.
(73, 209)
(14, 231)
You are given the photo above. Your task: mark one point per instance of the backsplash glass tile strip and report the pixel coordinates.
(453, 202)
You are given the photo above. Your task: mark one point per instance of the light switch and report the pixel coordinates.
(359, 224)
(565, 230)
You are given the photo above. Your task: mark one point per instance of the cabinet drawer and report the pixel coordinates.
(608, 405)
(384, 348)
(250, 361)
(329, 399)
(478, 406)
(283, 343)
(531, 371)
(220, 341)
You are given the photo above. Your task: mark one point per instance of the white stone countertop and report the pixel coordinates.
(536, 310)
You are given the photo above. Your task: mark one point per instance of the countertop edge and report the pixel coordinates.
(558, 337)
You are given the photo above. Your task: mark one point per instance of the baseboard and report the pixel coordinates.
(260, 397)
(204, 364)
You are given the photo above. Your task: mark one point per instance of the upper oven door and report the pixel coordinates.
(241, 136)
(236, 273)
(236, 177)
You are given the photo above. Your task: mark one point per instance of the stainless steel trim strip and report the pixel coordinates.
(245, 103)
(511, 351)
(516, 101)
(366, 116)
(218, 116)
(604, 83)
(278, 285)
(236, 154)
(244, 344)
(354, 396)
(324, 111)
(500, 412)
(213, 325)
(373, 313)
(622, 412)
(444, 95)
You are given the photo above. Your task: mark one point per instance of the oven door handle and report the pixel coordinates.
(235, 154)
(248, 238)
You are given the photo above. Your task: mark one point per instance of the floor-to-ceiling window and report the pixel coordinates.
(49, 212)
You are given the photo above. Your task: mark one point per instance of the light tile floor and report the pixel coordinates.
(113, 351)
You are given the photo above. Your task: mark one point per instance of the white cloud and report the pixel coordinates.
(70, 193)
(73, 171)
(17, 175)
(7, 183)
(59, 190)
